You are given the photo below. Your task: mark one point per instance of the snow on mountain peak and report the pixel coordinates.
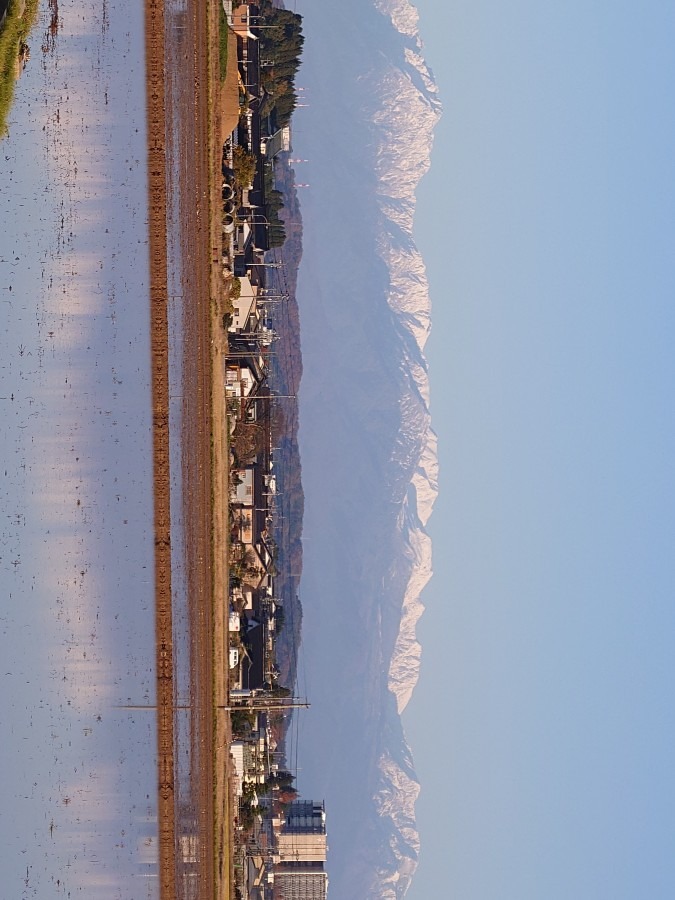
(405, 109)
(402, 13)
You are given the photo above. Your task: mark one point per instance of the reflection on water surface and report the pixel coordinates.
(78, 779)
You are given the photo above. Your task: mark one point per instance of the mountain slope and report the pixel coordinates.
(368, 451)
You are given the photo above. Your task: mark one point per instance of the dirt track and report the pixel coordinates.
(154, 35)
(196, 440)
(229, 92)
(182, 877)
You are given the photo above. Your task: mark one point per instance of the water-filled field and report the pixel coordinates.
(76, 542)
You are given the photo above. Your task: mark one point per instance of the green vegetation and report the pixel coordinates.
(281, 780)
(231, 295)
(223, 32)
(235, 289)
(244, 165)
(248, 440)
(13, 34)
(245, 569)
(280, 47)
(280, 50)
(248, 814)
(242, 722)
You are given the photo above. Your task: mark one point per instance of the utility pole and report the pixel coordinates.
(268, 703)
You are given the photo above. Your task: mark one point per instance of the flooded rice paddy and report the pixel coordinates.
(78, 781)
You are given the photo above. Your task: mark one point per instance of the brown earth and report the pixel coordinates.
(154, 36)
(196, 876)
(204, 453)
(229, 91)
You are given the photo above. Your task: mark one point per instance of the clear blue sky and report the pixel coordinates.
(542, 727)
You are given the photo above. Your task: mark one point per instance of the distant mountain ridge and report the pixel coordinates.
(367, 445)
(409, 110)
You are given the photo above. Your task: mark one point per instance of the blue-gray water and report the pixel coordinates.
(78, 780)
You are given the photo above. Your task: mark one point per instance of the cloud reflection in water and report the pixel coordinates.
(78, 779)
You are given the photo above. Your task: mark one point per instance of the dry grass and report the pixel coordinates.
(13, 33)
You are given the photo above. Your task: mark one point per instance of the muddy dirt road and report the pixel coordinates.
(180, 154)
(154, 24)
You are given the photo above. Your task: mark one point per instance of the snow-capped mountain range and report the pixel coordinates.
(364, 412)
(405, 121)
(408, 111)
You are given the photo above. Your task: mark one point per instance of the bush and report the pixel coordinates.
(235, 289)
(242, 722)
(223, 32)
(12, 36)
(244, 165)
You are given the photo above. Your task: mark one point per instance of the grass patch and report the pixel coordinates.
(223, 32)
(13, 34)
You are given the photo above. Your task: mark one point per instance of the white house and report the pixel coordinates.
(245, 304)
(241, 490)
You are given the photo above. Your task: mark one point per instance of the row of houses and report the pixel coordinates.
(281, 838)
